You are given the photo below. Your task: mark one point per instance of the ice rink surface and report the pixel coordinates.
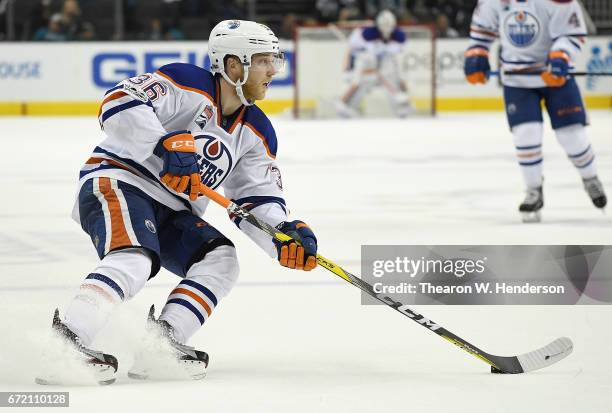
(285, 341)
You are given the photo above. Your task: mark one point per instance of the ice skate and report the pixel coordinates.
(345, 111)
(163, 357)
(102, 366)
(402, 105)
(531, 206)
(594, 188)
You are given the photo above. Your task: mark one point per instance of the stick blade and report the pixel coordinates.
(547, 355)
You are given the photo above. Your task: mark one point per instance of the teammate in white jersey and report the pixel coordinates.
(168, 133)
(374, 61)
(540, 40)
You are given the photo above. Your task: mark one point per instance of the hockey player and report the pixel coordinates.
(373, 61)
(540, 40)
(167, 134)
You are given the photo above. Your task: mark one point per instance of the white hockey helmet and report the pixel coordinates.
(386, 22)
(243, 39)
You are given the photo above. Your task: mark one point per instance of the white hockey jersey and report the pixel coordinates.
(369, 40)
(236, 154)
(528, 31)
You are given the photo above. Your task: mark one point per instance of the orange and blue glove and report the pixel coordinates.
(180, 169)
(559, 63)
(476, 65)
(292, 255)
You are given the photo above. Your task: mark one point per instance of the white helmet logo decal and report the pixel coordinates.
(233, 24)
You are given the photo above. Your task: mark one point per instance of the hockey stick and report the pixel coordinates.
(538, 73)
(534, 360)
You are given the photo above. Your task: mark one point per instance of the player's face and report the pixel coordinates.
(263, 67)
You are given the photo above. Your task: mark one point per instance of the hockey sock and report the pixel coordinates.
(118, 277)
(194, 299)
(528, 144)
(576, 144)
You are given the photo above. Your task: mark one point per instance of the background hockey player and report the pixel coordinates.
(374, 61)
(541, 38)
(168, 133)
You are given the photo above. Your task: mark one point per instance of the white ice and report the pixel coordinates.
(285, 341)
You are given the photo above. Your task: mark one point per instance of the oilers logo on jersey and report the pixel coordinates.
(215, 160)
(522, 28)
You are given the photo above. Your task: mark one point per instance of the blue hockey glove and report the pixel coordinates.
(292, 255)
(180, 169)
(559, 62)
(476, 65)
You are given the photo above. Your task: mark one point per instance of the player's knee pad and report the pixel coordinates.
(528, 134)
(528, 143)
(572, 138)
(218, 270)
(128, 269)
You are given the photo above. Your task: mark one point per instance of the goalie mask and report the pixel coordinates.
(386, 22)
(244, 39)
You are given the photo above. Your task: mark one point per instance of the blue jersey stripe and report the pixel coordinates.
(586, 164)
(108, 281)
(478, 39)
(202, 289)
(576, 44)
(113, 111)
(82, 174)
(578, 155)
(259, 200)
(570, 35)
(530, 163)
(113, 89)
(528, 147)
(518, 62)
(189, 306)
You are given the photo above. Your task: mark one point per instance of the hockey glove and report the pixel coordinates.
(559, 62)
(180, 169)
(292, 255)
(476, 65)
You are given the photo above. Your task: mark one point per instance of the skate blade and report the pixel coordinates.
(531, 217)
(189, 369)
(56, 382)
(137, 376)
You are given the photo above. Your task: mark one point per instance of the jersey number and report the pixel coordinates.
(155, 90)
(574, 20)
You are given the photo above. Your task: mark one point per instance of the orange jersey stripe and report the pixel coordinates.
(486, 33)
(93, 161)
(260, 136)
(191, 89)
(99, 290)
(196, 297)
(237, 121)
(529, 154)
(119, 235)
(111, 97)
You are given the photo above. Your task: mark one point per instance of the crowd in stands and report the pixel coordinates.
(61, 20)
(451, 17)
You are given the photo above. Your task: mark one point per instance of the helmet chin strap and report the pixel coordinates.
(238, 85)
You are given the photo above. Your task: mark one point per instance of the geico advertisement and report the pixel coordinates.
(83, 71)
